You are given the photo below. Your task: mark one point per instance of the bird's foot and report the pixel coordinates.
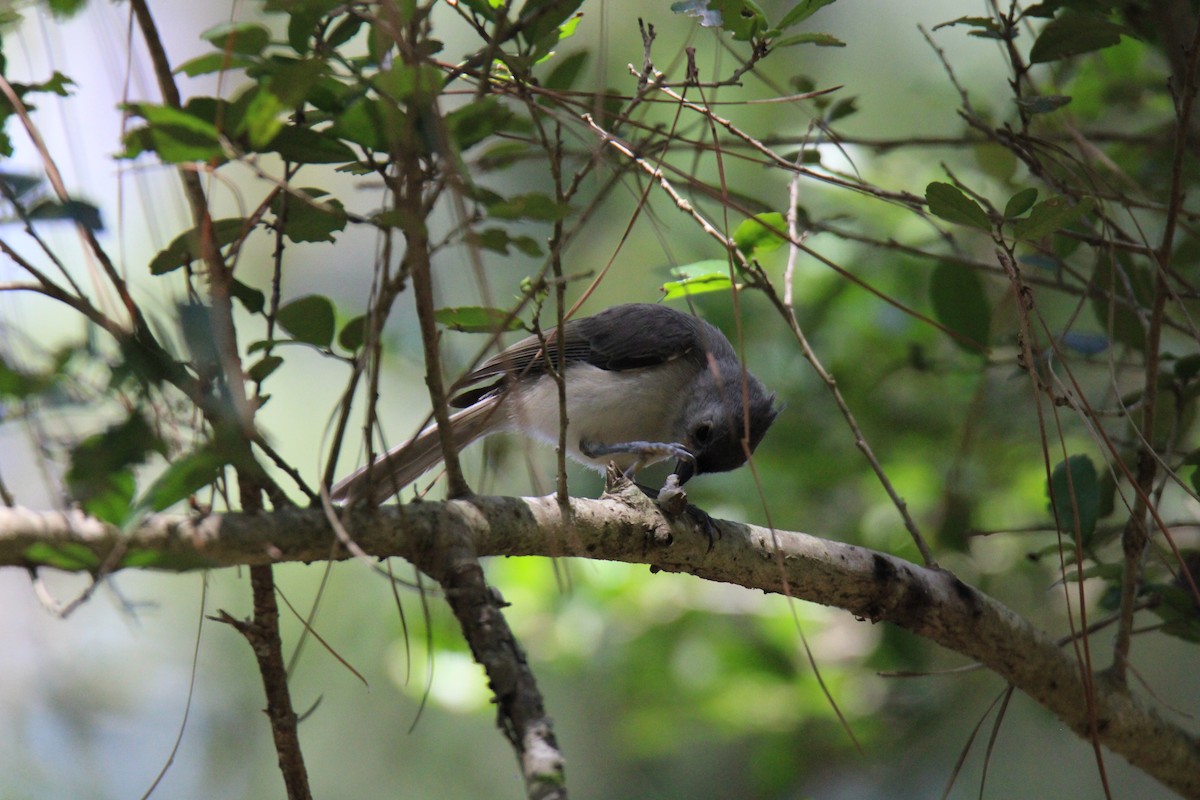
(646, 452)
(672, 499)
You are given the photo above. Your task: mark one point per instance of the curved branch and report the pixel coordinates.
(874, 586)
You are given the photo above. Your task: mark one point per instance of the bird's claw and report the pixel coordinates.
(646, 452)
(672, 499)
(705, 522)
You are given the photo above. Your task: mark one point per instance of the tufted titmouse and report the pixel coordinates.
(643, 383)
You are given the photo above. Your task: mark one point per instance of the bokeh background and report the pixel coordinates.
(661, 686)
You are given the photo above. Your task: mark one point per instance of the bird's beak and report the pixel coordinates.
(684, 470)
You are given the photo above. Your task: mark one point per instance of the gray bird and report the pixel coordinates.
(644, 383)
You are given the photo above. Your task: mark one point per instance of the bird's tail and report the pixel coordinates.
(403, 464)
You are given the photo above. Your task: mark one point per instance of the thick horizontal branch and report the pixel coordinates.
(871, 585)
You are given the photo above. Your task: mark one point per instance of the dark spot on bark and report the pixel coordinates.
(884, 571)
(968, 596)
(915, 601)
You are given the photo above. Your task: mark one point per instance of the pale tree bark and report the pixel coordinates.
(873, 586)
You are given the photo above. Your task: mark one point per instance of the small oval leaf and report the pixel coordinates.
(476, 319)
(354, 333)
(1075, 487)
(261, 369)
(949, 203)
(1050, 215)
(182, 478)
(960, 303)
(761, 234)
(1020, 202)
(247, 38)
(1072, 34)
(308, 319)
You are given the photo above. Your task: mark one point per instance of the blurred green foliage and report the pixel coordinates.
(984, 299)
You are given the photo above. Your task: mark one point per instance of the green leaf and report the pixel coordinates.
(533, 205)
(369, 122)
(69, 556)
(174, 135)
(251, 299)
(802, 11)
(566, 71)
(353, 333)
(391, 218)
(304, 222)
(306, 146)
(263, 119)
(476, 319)
(303, 18)
(1072, 34)
(18, 184)
(818, 39)
(699, 277)
(57, 83)
(260, 370)
(498, 240)
(344, 31)
(1020, 202)
(77, 211)
(476, 121)
(960, 303)
(701, 284)
(308, 319)
(18, 384)
(949, 203)
(544, 22)
(294, 80)
(101, 476)
(1108, 572)
(502, 154)
(995, 161)
(246, 38)
(139, 558)
(185, 248)
(1177, 610)
(761, 234)
(166, 117)
(1049, 216)
(1187, 367)
(1043, 104)
(182, 478)
(213, 62)
(842, 109)
(65, 9)
(484, 8)
(405, 82)
(984, 26)
(114, 503)
(1074, 486)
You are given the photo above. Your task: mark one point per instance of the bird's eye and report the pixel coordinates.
(702, 433)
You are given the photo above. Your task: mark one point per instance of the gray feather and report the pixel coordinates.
(403, 464)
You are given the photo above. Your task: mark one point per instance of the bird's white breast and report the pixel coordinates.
(604, 407)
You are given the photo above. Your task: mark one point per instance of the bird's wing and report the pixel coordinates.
(603, 340)
(617, 338)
